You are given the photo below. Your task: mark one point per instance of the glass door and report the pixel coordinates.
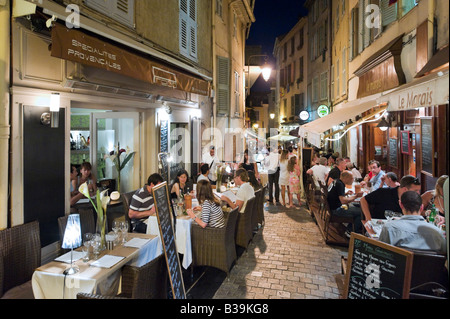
(116, 133)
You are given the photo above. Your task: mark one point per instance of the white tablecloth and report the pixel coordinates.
(49, 282)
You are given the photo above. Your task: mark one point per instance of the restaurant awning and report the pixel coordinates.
(314, 131)
(77, 46)
(429, 90)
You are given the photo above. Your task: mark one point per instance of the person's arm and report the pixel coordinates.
(176, 189)
(200, 222)
(365, 209)
(74, 199)
(239, 203)
(134, 214)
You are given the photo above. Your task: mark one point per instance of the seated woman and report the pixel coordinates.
(182, 185)
(75, 195)
(253, 181)
(212, 214)
(435, 196)
(88, 177)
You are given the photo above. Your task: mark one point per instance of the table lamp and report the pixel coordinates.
(72, 239)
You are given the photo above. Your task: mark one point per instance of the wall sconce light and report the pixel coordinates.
(52, 118)
(383, 125)
(272, 116)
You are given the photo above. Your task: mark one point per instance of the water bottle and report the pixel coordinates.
(432, 216)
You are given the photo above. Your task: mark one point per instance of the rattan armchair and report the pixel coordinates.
(244, 232)
(20, 250)
(255, 212)
(215, 247)
(146, 282)
(126, 198)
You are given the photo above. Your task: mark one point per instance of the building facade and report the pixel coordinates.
(138, 73)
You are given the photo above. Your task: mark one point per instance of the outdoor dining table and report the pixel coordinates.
(373, 227)
(49, 282)
(182, 234)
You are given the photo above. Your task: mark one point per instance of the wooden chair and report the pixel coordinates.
(20, 250)
(215, 247)
(244, 232)
(146, 282)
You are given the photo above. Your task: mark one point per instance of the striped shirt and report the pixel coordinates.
(142, 200)
(212, 214)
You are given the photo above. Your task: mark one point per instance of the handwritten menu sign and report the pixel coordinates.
(393, 154)
(427, 151)
(405, 142)
(163, 212)
(376, 270)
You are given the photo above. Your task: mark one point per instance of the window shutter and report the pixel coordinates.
(388, 12)
(193, 28)
(184, 27)
(344, 72)
(352, 32)
(366, 28)
(123, 11)
(223, 85)
(188, 28)
(361, 26)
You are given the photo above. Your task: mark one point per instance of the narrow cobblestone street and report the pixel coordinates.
(287, 259)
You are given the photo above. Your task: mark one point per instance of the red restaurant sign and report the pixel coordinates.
(73, 45)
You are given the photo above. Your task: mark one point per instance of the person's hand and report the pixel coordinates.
(198, 208)
(360, 194)
(363, 184)
(190, 212)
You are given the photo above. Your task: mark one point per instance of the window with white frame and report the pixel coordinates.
(119, 10)
(188, 28)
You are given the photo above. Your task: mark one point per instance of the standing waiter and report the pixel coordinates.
(212, 160)
(272, 164)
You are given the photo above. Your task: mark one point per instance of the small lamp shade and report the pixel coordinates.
(383, 125)
(72, 234)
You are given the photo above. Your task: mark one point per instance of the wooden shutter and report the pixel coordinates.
(388, 12)
(351, 34)
(193, 28)
(188, 28)
(361, 26)
(223, 85)
(183, 32)
(123, 11)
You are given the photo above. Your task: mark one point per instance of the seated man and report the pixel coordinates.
(337, 198)
(412, 231)
(141, 204)
(377, 174)
(335, 172)
(389, 180)
(244, 193)
(320, 171)
(374, 204)
(204, 169)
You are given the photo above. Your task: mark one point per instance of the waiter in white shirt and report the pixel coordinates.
(212, 160)
(272, 164)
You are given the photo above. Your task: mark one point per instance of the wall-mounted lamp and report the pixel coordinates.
(52, 118)
(272, 116)
(383, 125)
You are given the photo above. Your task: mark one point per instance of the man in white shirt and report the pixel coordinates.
(272, 164)
(212, 160)
(204, 169)
(320, 171)
(244, 193)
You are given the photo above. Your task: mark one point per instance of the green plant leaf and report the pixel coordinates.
(126, 160)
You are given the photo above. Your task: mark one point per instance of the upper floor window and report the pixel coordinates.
(119, 10)
(188, 28)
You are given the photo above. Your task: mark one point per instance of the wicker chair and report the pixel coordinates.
(126, 198)
(215, 247)
(244, 232)
(83, 295)
(146, 282)
(255, 210)
(20, 249)
(261, 206)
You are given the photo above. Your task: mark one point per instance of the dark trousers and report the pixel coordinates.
(273, 181)
(354, 212)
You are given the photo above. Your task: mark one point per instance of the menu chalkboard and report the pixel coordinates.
(163, 212)
(376, 270)
(405, 142)
(427, 149)
(393, 154)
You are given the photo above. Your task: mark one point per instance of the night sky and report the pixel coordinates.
(273, 18)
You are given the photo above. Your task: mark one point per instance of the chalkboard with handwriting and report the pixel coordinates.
(393, 153)
(163, 211)
(376, 270)
(427, 147)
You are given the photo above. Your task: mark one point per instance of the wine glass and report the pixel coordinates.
(116, 228)
(96, 242)
(389, 214)
(124, 229)
(87, 243)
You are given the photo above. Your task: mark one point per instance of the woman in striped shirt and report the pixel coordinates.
(212, 214)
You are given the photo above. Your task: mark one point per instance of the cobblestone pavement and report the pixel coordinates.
(287, 259)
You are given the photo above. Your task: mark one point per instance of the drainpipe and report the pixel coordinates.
(5, 44)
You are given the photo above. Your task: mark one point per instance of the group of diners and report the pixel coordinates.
(210, 204)
(380, 192)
